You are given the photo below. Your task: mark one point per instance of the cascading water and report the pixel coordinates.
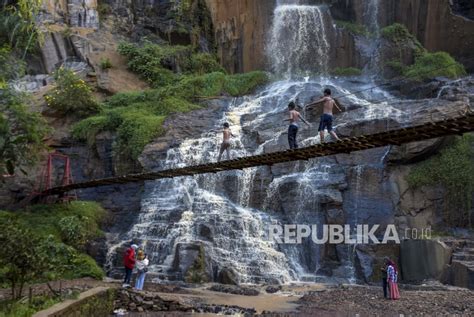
(298, 44)
(371, 15)
(228, 214)
(371, 21)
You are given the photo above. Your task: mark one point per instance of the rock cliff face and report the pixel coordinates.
(75, 13)
(439, 25)
(241, 31)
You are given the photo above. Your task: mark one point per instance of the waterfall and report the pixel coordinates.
(228, 214)
(371, 16)
(371, 21)
(298, 43)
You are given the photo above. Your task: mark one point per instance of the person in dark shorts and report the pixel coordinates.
(327, 116)
(225, 146)
(293, 128)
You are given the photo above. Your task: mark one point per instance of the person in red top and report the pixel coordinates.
(129, 263)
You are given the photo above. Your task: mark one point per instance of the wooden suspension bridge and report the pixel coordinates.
(453, 126)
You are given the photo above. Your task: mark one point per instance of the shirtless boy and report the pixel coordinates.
(293, 128)
(327, 116)
(225, 146)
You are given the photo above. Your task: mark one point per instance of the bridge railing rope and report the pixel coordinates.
(453, 126)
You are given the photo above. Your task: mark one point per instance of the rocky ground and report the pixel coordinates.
(367, 301)
(308, 299)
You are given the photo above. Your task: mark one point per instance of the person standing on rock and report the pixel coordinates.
(142, 269)
(327, 117)
(392, 278)
(225, 146)
(129, 264)
(293, 128)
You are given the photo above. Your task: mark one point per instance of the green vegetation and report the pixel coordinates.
(431, 65)
(105, 63)
(103, 9)
(71, 95)
(193, 18)
(348, 71)
(21, 132)
(427, 65)
(197, 272)
(18, 26)
(399, 34)
(40, 244)
(453, 169)
(354, 28)
(12, 67)
(397, 66)
(22, 309)
(157, 64)
(180, 78)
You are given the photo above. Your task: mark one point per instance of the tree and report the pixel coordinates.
(21, 258)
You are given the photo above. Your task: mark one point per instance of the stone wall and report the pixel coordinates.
(96, 302)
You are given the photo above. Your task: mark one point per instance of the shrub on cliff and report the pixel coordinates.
(354, 28)
(347, 71)
(453, 169)
(71, 95)
(243, 84)
(138, 117)
(137, 129)
(21, 132)
(399, 34)
(430, 65)
(160, 64)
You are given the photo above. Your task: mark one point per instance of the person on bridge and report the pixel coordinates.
(129, 264)
(327, 117)
(293, 128)
(225, 146)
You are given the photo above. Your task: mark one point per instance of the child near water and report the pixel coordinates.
(225, 146)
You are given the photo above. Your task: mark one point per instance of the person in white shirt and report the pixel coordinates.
(142, 268)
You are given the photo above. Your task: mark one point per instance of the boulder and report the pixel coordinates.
(234, 289)
(227, 276)
(423, 259)
(273, 288)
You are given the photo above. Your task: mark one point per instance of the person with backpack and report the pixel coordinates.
(142, 269)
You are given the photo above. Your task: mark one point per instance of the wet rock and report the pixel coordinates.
(186, 255)
(233, 289)
(178, 129)
(415, 151)
(273, 289)
(227, 276)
